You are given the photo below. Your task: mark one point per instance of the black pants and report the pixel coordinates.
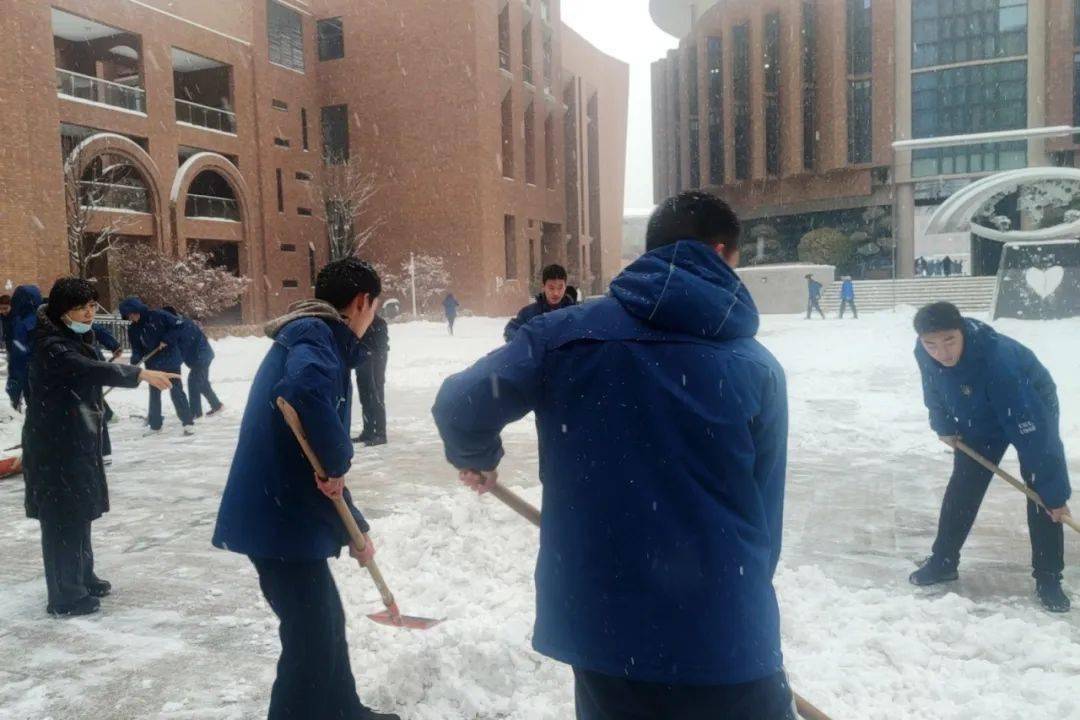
(450, 321)
(106, 441)
(314, 678)
(69, 560)
(603, 697)
(814, 304)
(844, 303)
(371, 386)
(198, 388)
(963, 497)
(179, 400)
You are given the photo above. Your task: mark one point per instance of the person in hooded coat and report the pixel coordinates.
(847, 297)
(275, 511)
(7, 320)
(813, 297)
(197, 355)
(450, 307)
(662, 430)
(25, 302)
(553, 297)
(371, 383)
(62, 442)
(155, 339)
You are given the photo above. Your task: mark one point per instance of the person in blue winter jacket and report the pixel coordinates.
(662, 429)
(274, 509)
(847, 297)
(554, 297)
(813, 300)
(25, 302)
(991, 392)
(157, 332)
(197, 354)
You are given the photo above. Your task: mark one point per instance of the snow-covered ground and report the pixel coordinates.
(187, 635)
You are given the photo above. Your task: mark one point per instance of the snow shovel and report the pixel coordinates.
(10, 467)
(531, 513)
(392, 615)
(1019, 485)
(158, 349)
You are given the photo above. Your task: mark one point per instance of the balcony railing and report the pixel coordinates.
(527, 73)
(209, 206)
(85, 87)
(504, 59)
(114, 196)
(205, 116)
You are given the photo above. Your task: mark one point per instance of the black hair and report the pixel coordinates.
(553, 272)
(67, 294)
(342, 280)
(5, 299)
(693, 215)
(938, 317)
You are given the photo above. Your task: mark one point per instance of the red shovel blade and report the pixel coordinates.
(394, 618)
(10, 466)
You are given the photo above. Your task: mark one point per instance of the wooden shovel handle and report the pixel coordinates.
(1018, 484)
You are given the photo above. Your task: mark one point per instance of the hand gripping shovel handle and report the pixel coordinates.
(531, 513)
(1019, 485)
(357, 537)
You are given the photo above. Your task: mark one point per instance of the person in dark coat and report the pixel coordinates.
(371, 383)
(157, 330)
(847, 297)
(813, 290)
(662, 430)
(197, 354)
(553, 297)
(947, 266)
(24, 305)
(62, 438)
(450, 307)
(274, 509)
(7, 321)
(991, 392)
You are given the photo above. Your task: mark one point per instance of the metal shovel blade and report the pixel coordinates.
(405, 621)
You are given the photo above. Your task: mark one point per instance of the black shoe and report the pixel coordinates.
(932, 572)
(85, 606)
(362, 438)
(375, 441)
(99, 588)
(369, 714)
(1051, 595)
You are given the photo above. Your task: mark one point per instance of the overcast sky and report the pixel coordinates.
(623, 28)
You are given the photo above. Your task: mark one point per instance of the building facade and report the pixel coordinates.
(196, 127)
(790, 109)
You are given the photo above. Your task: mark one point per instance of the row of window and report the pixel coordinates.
(285, 37)
(529, 131)
(527, 55)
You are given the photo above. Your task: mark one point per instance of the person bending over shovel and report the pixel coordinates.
(991, 392)
(662, 429)
(275, 511)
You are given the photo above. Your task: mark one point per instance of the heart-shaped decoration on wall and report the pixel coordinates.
(1045, 282)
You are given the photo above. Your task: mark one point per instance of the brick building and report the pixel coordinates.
(791, 108)
(496, 136)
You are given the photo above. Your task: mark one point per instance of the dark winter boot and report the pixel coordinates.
(375, 441)
(369, 714)
(98, 588)
(1050, 593)
(934, 571)
(86, 606)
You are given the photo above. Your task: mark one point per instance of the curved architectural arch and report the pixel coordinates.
(191, 169)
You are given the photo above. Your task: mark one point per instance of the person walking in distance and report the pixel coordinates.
(847, 297)
(158, 332)
(813, 289)
(62, 442)
(991, 392)
(662, 430)
(450, 307)
(277, 513)
(371, 383)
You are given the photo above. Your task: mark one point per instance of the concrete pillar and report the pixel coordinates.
(903, 184)
(1036, 80)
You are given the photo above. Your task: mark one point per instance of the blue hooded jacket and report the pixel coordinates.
(154, 327)
(534, 309)
(271, 507)
(25, 302)
(999, 391)
(194, 347)
(847, 290)
(662, 430)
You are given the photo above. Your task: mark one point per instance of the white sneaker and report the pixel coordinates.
(148, 432)
(189, 429)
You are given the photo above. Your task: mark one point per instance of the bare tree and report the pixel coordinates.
(87, 240)
(190, 283)
(341, 197)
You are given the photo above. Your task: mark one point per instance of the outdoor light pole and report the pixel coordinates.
(412, 281)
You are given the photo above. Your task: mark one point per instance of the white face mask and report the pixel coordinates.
(77, 327)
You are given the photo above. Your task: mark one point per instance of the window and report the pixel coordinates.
(945, 32)
(741, 39)
(772, 94)
(508, 135)
(809, 94)
(281, 142)
(527, 53)
(676, 84)
(530, 145)
(280, 193)
(1076, 89)
(290, 284)
(510, 246)
(285, 36)
(860, 36)
(714, 56)
(548, 58)
(279, 105)
(313, 269)
(549, 150)
(331, 39)
(306, 212)
(1076, 22)
(288, 247)
(693, 122)
(504, 37)
(303, 176)
(335, 134)
(303, 128)
(859, 122)
(545, 10)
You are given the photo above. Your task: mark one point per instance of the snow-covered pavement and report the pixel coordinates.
(187, 635)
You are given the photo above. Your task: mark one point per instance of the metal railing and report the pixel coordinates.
(210, 206)
(205, 116)
(85, 87)
(114, 196)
